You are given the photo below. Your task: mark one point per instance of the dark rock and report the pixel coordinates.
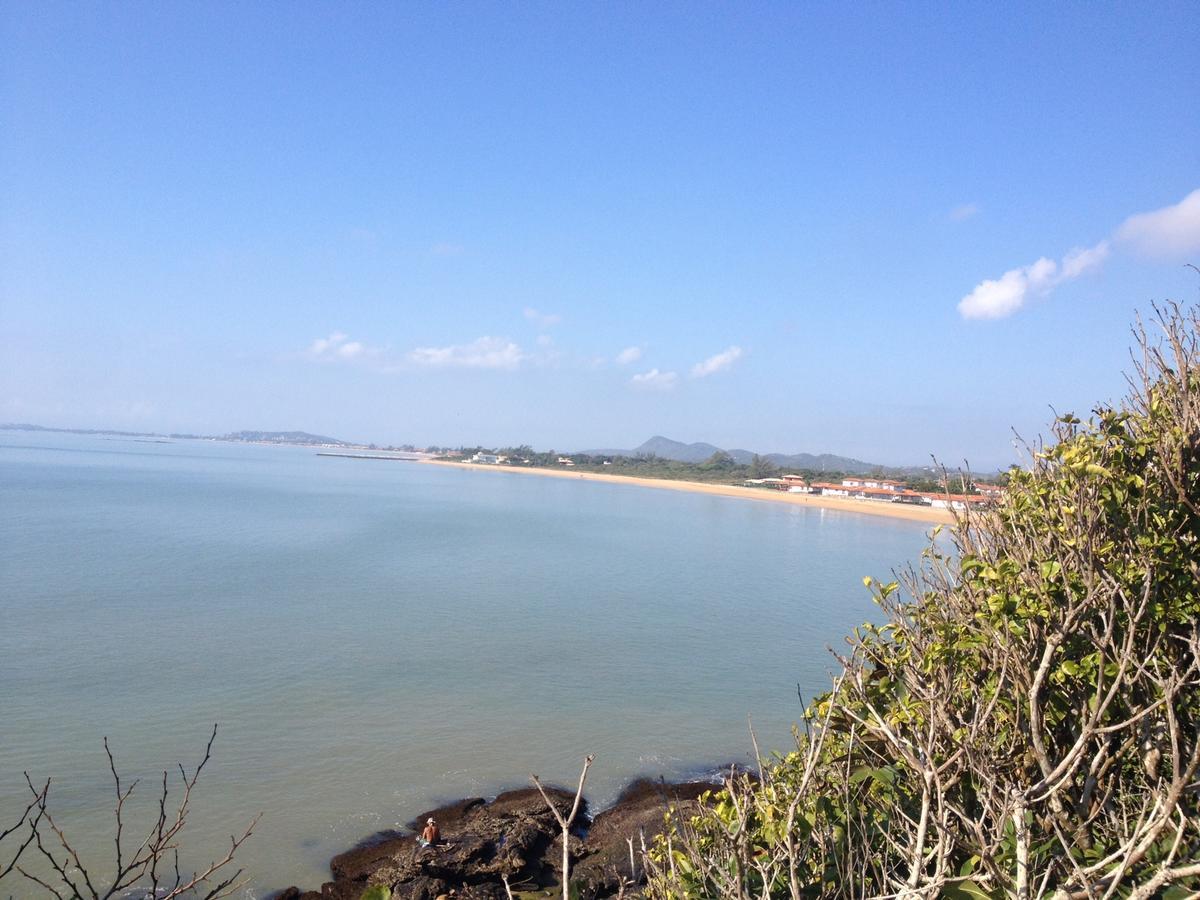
(347, 890)
(478, 892)
(420, 888)
(514, 836)
(360, 861)
(449, 817)
(529, 802)
(638, 814)
(340, 890)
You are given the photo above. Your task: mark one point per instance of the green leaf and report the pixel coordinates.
(965, 890)
(885, 775)
(860, 774)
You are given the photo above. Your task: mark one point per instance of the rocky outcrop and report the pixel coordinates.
(639, 814)
(514, 836)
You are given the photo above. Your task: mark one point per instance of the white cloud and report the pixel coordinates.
(629, 355)
(337, 346)
(1083, 259)
(655, 380)
(320, 345)
(717, 363)
(545, 340)
(963, 212)
(1000, 297)
(541, 319)
(1003, 296)
(1172, 232)
(482, 353)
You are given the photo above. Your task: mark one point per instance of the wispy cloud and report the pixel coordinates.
(1172, 232)
(541, 319)
(337, 346)
(1003, 296)
(1083, 259)
(963, 212)
(717, 363)
(654, 380)
(629, 355)
(446, 248)
(482, 353)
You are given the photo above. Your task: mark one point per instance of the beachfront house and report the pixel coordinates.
(956, 501)
(891, 492)
(882, 484)
(828, 489)
(796, 484)
(774, 484)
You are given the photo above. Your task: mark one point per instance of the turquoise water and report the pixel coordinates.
(375, 637)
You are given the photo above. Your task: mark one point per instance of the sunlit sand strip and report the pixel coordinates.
(866, 507)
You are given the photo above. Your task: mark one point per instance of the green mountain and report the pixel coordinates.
(700, 451)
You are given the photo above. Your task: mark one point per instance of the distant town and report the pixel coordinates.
(945, 490)
(884, 491)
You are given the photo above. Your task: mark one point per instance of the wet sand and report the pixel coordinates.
(866, 507)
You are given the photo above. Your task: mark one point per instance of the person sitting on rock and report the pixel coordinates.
(431, 835)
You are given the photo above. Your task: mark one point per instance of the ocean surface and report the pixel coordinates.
(376, 637)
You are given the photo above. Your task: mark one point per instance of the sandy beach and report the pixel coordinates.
(865, 507)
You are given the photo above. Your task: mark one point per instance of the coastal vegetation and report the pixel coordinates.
(720, 467)
(1025, 721)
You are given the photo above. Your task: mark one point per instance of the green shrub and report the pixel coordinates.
(1029, 724)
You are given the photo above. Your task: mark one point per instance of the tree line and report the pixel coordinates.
(719, 468)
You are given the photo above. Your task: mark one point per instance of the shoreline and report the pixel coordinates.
(906, 511)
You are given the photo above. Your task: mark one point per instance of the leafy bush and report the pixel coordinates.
(1029, 724)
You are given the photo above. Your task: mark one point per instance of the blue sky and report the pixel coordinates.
(881, 230)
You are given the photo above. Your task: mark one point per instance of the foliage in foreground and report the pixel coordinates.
(1029, 725)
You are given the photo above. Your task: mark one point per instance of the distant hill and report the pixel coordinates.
(827, 462)
(700, 451)
(25, 426)
(282, 437)
(669, 449)
(265, 437)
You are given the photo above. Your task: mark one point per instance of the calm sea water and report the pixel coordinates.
(377, 637)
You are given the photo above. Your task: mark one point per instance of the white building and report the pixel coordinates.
(490, 459)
